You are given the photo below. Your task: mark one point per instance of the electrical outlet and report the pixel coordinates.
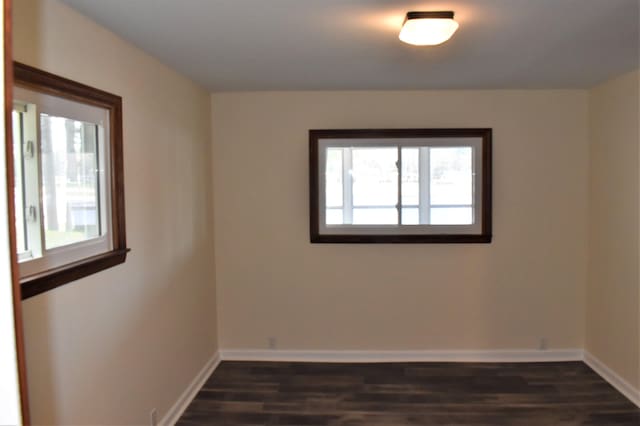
(153, 417)
(273, 342)
(543, 344)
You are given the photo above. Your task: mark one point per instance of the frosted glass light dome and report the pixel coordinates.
(428, 28)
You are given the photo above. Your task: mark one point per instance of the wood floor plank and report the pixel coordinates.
(516, 394)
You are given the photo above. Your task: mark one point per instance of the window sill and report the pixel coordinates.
(401, 239)
(48, 280)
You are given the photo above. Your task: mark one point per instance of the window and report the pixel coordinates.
(400, 185)
(68, 180)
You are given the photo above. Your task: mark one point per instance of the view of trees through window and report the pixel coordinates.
(69, 181)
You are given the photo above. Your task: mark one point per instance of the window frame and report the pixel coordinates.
(319, 232)
(40, 81)
(38, 257)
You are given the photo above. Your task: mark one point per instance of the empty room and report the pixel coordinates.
(320, 212)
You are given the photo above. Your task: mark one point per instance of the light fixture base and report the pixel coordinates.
(430, 15)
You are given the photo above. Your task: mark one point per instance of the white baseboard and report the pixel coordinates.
(613, 378)
(404, 356)
(190, 392)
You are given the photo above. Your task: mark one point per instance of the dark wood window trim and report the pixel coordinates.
(45, 82)
(314, 185)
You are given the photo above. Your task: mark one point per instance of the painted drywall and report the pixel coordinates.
(108, 348)
(613, 321)
(526, 285)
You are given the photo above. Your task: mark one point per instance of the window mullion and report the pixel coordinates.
(399, 167)
(424, 176)
(41, 207)
(40, 185)
(99, 198)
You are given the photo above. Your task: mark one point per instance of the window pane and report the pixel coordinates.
(19, 196)
(333, 217)
(410, 216)
(375, 177)
(70, 185)
(333, 178)
(451, 215)
(410, 177)
(375, 216)
(451, 175)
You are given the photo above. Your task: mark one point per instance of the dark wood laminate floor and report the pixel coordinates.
(527, 394)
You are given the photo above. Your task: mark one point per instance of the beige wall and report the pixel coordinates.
(528, 284)
(110, 347)
(613, 322)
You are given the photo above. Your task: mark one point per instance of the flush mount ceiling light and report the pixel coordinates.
(428, 28)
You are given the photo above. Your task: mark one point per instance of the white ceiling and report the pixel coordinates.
(353, 44)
